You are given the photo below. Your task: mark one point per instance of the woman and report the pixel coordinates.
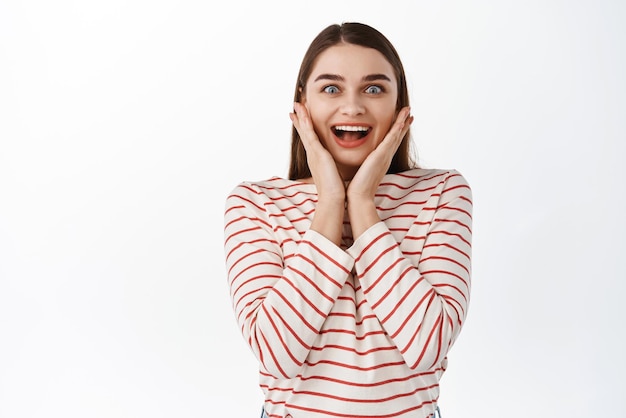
(350, 280)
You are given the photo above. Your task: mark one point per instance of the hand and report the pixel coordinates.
(331, 192)
(365, 182)
(321, 163)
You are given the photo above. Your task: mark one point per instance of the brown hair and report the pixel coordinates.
(362, 35)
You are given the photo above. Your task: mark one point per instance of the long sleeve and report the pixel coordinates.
(358, 330)
(419, 288)
(282, 289)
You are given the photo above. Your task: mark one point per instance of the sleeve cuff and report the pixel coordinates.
(327, 250)
(364, 242)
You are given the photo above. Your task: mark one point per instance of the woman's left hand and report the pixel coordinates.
(365, 182)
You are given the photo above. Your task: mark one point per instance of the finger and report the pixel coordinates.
(304, 125)
(400, 123)
(399, 129)
(302, 114)
(403, 121)
(295, 118)
(299, 118)
(406, 127)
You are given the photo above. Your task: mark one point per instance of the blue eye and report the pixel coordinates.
(374, 90)
(331, 89)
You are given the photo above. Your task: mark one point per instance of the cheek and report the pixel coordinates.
(386, 112)
(320, 128)
(318, 118)
(386, 124)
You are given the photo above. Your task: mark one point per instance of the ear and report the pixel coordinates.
(302, 95)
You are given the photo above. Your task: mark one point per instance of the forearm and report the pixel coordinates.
(422, 313)
(363, 215)
(419, 287)
(281, 306)
(328, 219)
(281, 317)
(283, 282)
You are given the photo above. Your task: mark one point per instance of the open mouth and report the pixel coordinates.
(350, 133)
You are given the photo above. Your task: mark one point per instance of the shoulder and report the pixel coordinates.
(255, 187)
(268, 190)
(428, 178)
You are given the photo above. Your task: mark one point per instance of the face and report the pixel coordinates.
(351, 96)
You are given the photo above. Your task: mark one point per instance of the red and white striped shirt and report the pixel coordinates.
(360, 330)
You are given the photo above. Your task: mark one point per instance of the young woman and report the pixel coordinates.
(350, 280)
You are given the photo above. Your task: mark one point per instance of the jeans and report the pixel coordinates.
(437, 413)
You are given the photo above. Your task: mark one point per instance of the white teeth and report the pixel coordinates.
(352, 128)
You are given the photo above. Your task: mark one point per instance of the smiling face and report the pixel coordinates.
(351, 96)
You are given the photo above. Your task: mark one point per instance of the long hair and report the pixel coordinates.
(356, 34)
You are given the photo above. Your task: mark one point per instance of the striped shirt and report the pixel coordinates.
(359, 330)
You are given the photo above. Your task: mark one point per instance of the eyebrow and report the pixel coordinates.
(336, 77)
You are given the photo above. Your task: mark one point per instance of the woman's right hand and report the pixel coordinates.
(323, 168)
(331, 191)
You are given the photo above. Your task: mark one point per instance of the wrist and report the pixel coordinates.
(331, 200)
(362, 214)
(360, 205)
(359, 200)
(328, 219)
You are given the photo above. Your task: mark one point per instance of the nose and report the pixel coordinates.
(352, 105)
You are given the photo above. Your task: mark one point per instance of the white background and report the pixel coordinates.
(124, 124)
